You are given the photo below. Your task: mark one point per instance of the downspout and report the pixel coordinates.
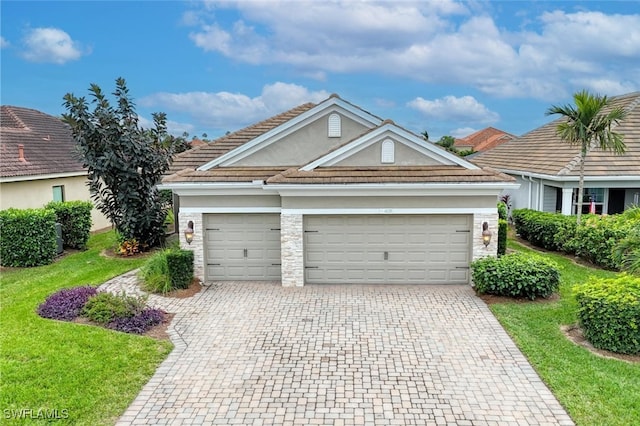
(530, 184)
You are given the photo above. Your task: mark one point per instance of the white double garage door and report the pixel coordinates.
(343, 249)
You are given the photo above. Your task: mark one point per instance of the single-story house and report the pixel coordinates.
(483, 140)
(330, 193)
(547, 168)
(38, 162)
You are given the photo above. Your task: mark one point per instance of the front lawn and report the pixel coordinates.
(80, 374)
(594, 390)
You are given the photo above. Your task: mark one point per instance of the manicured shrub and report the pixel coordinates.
(106, 307)
(168, 270)
(138, 323)
(542, 228)
(597, 237)
(516, 275)
(502, 210)
(75, 218)
(28, 237)
(609, 313)
(66, 304)
(180, 263)
(502, 237)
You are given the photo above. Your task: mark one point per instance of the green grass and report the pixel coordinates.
(88, 374)
(594, 390)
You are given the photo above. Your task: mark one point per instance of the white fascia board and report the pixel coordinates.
(394, 190)
(229, 210)
(215, 188)
(434, 210)
(9, 179)
(568, 178)
(291, 126)
(402, 136)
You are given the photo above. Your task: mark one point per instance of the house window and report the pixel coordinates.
(335, 127)
(388, 152)
(58, 193)
(590, 194)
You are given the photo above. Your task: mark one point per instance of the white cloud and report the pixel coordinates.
(462, 132)
(230, 111)
(4, 43)
(465, 109)
(50, 45)
(549, 56)
(173, 127)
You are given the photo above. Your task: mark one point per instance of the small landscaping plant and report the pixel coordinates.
(66, 304)
(124, 313)
(609, 313)
(168, 270)
(516, 275)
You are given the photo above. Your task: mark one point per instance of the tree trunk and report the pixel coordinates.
(580, 189)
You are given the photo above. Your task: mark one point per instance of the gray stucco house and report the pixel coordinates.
(548, 169)
(330, 193)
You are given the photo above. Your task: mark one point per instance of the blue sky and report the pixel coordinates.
(443, 66)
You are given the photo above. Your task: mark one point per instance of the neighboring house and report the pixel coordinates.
(483, 140)
(330, 193)
(38, 162)
(548, 168)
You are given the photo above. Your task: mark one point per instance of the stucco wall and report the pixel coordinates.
(404, 156)
(227, 201)
(36, 193)
(303, 145)
(442, 202)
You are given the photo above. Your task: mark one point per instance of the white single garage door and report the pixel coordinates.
(403, 249)
(242, 246)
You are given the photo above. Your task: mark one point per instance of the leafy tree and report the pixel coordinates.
(447, 142)
(588, 125)
(124, 161)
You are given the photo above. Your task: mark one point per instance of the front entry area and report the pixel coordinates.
(242, 247)
(387, 249)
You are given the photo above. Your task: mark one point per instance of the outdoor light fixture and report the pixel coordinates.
(486, 234)
(188, 233)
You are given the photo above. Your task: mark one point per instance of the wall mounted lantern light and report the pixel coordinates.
(486, 234)
(188, 233)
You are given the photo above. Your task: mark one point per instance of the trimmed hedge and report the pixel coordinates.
(594, 240)
(168, 270)
(502, 210)
(28, 237)
(516, 275)
(180, 266)
(502, 237)
(75, 218)
(609, 313)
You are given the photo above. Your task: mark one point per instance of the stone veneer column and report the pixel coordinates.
(292, 250)
(197, 245)
(479, 250)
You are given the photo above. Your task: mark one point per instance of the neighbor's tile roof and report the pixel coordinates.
(198, 156)
(389, 174)
(542, 151)
(484, 139)
(49, 147)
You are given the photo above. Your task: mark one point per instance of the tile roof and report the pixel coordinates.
(224, 174)
(196, 157)
(48, 146)
(389, 174)
(484, 139)
(542, 151)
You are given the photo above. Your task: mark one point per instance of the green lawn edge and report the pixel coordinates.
(77, 374)
(594, 390)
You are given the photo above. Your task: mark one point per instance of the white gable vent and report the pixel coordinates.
(388, 152)
(335, 127)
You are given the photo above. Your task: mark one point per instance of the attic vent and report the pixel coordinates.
(388, 152)
(335, 128)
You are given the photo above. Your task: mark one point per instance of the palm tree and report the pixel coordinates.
(588, 125)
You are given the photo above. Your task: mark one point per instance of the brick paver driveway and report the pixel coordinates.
(258, 353)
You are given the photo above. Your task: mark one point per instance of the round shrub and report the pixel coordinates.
(609, 313)
(516, 275)
(66, 304)
(106, 307)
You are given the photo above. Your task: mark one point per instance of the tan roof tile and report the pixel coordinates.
(484, 139)
(542, 151)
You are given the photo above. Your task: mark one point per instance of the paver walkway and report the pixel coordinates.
(259, 353)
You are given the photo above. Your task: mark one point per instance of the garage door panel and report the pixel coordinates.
(420, 248)
(243, 246)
